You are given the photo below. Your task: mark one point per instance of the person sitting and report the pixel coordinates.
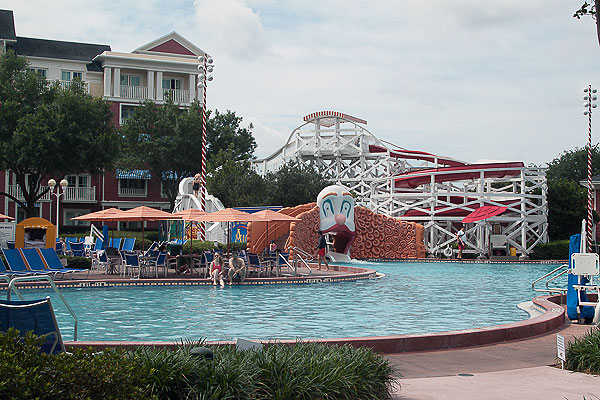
(216, 270)
(237, 269)
(272, 247)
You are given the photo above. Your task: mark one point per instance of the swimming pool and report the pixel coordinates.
(411, 298)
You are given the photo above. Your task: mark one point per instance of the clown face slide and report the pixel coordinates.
(336, 212)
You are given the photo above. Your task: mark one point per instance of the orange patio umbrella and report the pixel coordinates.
(270, 215)
(142, 214)
(98, 216)
(229, 215)
(191, 214)
(2, 216)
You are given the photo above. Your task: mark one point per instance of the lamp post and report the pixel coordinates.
(589, 97)
(52, 183)
(204, 68)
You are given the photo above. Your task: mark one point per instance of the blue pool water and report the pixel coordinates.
(411, 298)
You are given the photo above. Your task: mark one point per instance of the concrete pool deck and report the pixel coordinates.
(512, 370)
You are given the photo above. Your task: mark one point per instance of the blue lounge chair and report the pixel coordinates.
(54, 264)
(35, 263)
(4, 271)
(98, 245)
(68, 242)
(116, 243)
(128, 244)
(16, 263)
(59, 247)
(33, 315)
(77, 249)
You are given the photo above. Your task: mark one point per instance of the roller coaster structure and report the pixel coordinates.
(433, 190)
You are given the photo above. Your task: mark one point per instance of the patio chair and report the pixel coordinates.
(99, 259)
(10, 244)
(59, 247)
(116, 243)
(207, 258)
(16, 263)
(257, 264)
(128, 244)
(68, 242)
(159, 262)
(77, 249)
(114, 260)
(53, 263)
(153, 247)
(36, 316)
(98, 245)
(132, 262)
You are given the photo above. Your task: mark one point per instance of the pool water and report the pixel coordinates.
(411, 298)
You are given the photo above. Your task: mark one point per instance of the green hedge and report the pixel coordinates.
(583, 354)
(557, 250)
(302, 371)
(78, 262)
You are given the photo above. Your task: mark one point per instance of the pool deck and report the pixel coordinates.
(520, 369)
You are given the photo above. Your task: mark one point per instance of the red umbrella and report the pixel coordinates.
(484, 212)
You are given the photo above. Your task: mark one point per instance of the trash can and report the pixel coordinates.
(513, 252)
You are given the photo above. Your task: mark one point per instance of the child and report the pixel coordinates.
(322, 247)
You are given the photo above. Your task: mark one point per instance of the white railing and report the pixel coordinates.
(67, 84)
(134, 92)
(79, 194)
(177, 95)
(132, 192)
(15, 190)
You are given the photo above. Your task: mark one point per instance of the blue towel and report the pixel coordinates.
(587, 312)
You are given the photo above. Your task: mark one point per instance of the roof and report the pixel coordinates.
(7, 25)
(134, 174)
(62, 50)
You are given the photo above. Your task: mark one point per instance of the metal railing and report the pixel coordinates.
(14, 280)
(553, 275)
(132, 192)
(133, 92)
(79, 193)
(15, 190)
(177, 95)
(67, 84)
(300, 257)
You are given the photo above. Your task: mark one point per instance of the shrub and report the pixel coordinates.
(557, 250)
(78, 262)
(583, 354)
(200, 247)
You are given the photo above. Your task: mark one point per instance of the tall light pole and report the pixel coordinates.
(590, 97)
(204, 68)
(52, 183)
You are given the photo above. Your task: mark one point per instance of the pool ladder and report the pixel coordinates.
(551, 276)
(300, 258)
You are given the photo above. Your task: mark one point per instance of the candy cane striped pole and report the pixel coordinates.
(589, 98)
(203, 77)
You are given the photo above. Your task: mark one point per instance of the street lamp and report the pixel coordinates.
(52, 183)
(204, 68)
(589, 97)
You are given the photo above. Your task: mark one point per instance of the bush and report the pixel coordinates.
(200, 247)
(78, 262)
(583, 354)
(300, 371)
(557, 250)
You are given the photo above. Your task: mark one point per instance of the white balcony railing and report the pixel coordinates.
(79, 194)
(134, 92)
(67, 84)
(177, 95)
(15, 190)
(132, 192)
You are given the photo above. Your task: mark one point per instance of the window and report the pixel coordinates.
(71, 75)
(131, 80)
(132, 187)
(171, 84)
(69, 214)
(127, 112)
(40, 71)
(78, 180)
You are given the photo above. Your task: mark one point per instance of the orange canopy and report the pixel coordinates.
(270, 215)
(142, 213)
(2, 216)
(229, 215)
(102, 215)
(191, 214)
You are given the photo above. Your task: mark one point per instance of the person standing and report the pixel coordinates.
(322, 249)
(196, 185)
(460, 239)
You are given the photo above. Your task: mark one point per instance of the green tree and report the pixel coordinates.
(165, 140)
(49, 131)
(235, 183)
(572, 164)
(592, 9)
(294, 184)
(224, 132)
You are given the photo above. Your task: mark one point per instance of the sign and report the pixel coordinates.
(560, 347)
(7, 233)
(239, 232)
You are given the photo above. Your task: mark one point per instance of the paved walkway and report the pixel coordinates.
(513, 370)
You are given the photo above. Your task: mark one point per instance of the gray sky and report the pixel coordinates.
(468, 79)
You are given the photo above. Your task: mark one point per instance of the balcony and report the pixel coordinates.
(130, 192)
(67, 84)
(177, 95)
(79, 194)
(15, 190)
(134, 92)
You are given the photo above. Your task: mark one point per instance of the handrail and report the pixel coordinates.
(298, 252)
(549, 289)
(11, 287)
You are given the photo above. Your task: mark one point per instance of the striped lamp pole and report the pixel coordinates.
(204, 67)
(589, 98)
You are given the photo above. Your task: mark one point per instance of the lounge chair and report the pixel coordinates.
(53, 263)
(77, 249)
(5, 272)
(116, 243)
(33, 315)
(128, 244)
(16, 263)
(68, 242)
(35, 262)
(59, 247)
(98, 245)
(153, 247)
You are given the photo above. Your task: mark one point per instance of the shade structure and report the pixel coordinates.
(102, 215)
(484, 212)
(142, 214)
(270, 215)
(2, 216)
(229, 215)
(191, 214)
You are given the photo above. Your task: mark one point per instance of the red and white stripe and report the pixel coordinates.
(590, 204)
(334, 114)
(203, 170)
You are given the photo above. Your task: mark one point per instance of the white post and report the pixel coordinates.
(150, 85)
(192, 87)
(159, 90)
(107, 81)
(117, 92)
